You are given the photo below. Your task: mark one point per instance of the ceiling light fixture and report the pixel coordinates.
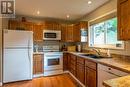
(38, 12)
(89, 2)
(68, 16)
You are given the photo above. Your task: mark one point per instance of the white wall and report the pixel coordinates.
(0, 49)
(104, 9)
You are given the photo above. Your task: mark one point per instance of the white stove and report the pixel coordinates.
(53, 60)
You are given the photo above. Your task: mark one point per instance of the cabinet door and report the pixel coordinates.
(80, 73)
(69, 34)
(28, 26)
(37, 64)
(90, 77)
(64, 33)
(13, 25)
(38, 32)
(65, 61)
(76, 33)
(69, 61)
(123, 19)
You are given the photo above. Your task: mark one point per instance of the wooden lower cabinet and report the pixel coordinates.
(65, 61)
(80, 71)
(90, 74)
(37, 64)
(73, 64)
(83, 69)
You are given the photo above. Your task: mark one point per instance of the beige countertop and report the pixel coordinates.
(112, 62)
(118, 82)
(116, 63)
(37, 53)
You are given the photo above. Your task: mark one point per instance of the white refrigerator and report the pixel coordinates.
(18, 55)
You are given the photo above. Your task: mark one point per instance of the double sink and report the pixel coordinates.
(94, 56)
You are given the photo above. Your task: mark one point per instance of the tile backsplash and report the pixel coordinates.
(39, 44)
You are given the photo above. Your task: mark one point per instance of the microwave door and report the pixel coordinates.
(50, 35)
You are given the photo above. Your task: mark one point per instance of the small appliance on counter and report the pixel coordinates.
(71, 48)
(79, 48)
(64, 48)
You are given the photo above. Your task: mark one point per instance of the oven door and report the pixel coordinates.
(53, 61)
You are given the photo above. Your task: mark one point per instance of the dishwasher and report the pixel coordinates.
(106, 73)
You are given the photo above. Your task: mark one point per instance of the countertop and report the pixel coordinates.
(37, 53)
(116, 63)
(112, 62)
(118, 82)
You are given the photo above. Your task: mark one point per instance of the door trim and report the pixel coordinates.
(1, 83)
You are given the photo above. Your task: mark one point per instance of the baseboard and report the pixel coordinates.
(37, 75)
(75, 78)
(1, 83)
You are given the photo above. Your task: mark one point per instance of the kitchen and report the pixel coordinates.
(87, 51)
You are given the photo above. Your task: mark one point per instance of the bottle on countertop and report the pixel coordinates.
(64, 48)
(79, 48)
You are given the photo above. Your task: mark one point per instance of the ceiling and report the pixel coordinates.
(56, 8)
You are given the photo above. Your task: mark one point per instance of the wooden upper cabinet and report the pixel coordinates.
(63, 33)
(38, 32)
(18, 25)
(76, 33)
(83, 25)
(50, 25)
(123, 19)
(69, 33)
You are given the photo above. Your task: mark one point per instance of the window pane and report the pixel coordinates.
(99, 33)
(111, 33)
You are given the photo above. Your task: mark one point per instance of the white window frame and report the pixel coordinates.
(108, 46)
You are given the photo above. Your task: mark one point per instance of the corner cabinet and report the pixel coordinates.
(123, 13)
(82, 69)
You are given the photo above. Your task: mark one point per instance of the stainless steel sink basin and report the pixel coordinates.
(93, 56)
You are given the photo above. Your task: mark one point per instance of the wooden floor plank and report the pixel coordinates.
(63, 80)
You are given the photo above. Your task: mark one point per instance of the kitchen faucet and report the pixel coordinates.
(97, 51)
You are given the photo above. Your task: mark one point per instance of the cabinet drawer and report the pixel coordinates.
(91, 64)
(80, 60)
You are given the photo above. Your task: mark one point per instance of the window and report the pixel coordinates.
(104, 34)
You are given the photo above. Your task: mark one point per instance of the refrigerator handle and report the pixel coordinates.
(29, 52)
(30, 57)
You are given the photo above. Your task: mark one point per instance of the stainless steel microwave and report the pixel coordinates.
(51, 35)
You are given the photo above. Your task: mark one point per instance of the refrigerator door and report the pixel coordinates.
(18, 39)
(17, 65)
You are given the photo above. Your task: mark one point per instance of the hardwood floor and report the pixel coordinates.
(64, 80)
